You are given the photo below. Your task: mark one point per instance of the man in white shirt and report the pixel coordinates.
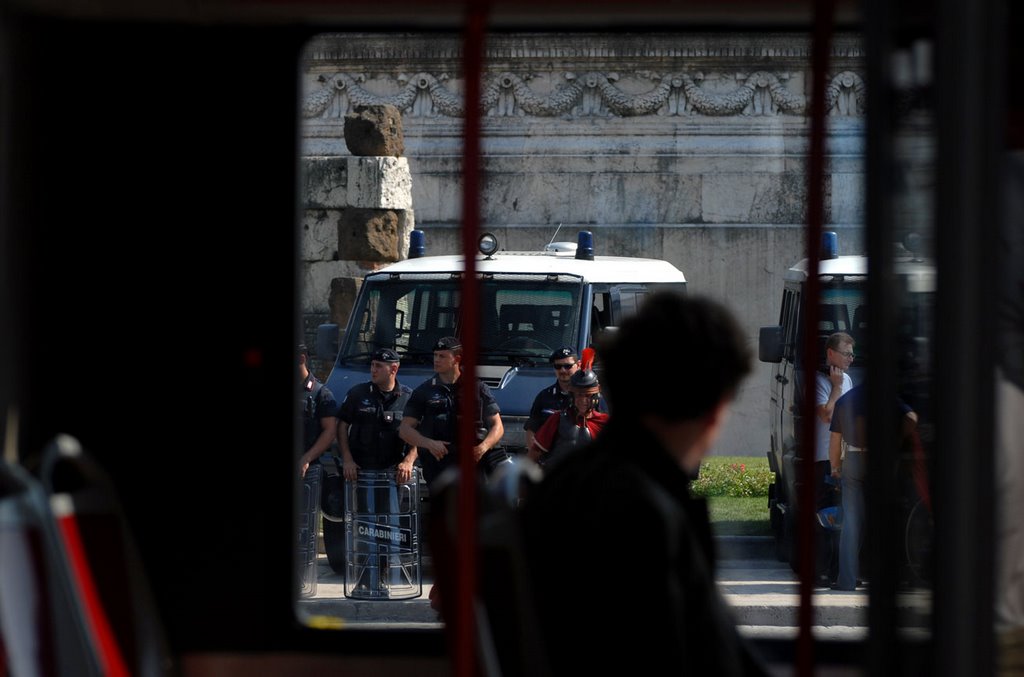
(832, 382)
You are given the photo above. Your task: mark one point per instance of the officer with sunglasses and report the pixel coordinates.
(557, 396)
(576, 425)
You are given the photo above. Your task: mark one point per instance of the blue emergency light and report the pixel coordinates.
(417, 244)
(585, 245)
(829, 245)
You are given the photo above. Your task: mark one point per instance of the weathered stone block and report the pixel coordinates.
(316, 282)
(373, 235)
(439, 197)
(375, 130)
(342, 298)
(758, 198)
(324, 182)
(848, 198)
(319, 239)
(379, 183)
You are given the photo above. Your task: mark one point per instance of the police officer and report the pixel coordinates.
(368, 422)
(577, 424)
(557, 396)
(430, 418)
(318, 407)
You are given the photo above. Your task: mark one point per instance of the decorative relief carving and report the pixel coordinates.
(846, 94)
(592, 94)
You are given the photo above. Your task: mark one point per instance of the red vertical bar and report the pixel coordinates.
(821, 44)
(108, 651)
(464, 661)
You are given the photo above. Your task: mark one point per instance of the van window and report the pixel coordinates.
(523, 317)
(788, 320)
(840, 302)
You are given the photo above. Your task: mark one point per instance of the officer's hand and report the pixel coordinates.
(404, 473)
(350, 470)
(835, 375)
(438, 448)
(478, 452)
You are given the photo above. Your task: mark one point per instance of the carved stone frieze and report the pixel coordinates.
(588, 94)
(581, 76)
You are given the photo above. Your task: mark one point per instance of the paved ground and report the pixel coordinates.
(764, 594)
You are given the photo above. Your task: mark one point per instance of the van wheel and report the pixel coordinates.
(334, 544)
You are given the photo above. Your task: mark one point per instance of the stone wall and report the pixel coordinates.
(690, 148)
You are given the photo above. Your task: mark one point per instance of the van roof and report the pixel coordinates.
(603, 269)
(920, 273)
(841, 265)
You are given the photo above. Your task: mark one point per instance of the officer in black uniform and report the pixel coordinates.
(430, 417)
(557, 396)
(368, 422)
(318, 408)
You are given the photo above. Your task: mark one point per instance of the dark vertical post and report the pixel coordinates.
(820, 46)
(464, 661)
(970, 124)
(880, 490)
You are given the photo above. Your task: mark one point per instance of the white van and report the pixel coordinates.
(531, 304)
(842, 307)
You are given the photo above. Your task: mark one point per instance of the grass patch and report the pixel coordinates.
(742, 516)
(737, 491)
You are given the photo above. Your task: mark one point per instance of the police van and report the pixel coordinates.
(531, 304)
(842, 308)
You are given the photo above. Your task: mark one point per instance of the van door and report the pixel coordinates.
(783, 374)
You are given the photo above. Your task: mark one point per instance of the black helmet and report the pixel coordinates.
(584, 379)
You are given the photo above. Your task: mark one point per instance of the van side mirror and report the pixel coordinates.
(769, 344)
(600, 335)
(327, 341)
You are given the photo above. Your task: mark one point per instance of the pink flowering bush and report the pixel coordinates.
(727, 476)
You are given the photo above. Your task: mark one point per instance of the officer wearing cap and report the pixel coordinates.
(368, 422)
(430, 418)
(318, 408)
(578, 423)
(557, 396)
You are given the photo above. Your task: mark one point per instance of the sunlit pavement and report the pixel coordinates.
(763, 592)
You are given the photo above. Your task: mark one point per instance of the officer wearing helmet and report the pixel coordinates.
(578, 423)
(556, 396)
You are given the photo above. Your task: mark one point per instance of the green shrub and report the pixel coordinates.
(736, 476)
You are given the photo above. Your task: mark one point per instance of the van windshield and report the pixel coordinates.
(844, 308)
(523, 317)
